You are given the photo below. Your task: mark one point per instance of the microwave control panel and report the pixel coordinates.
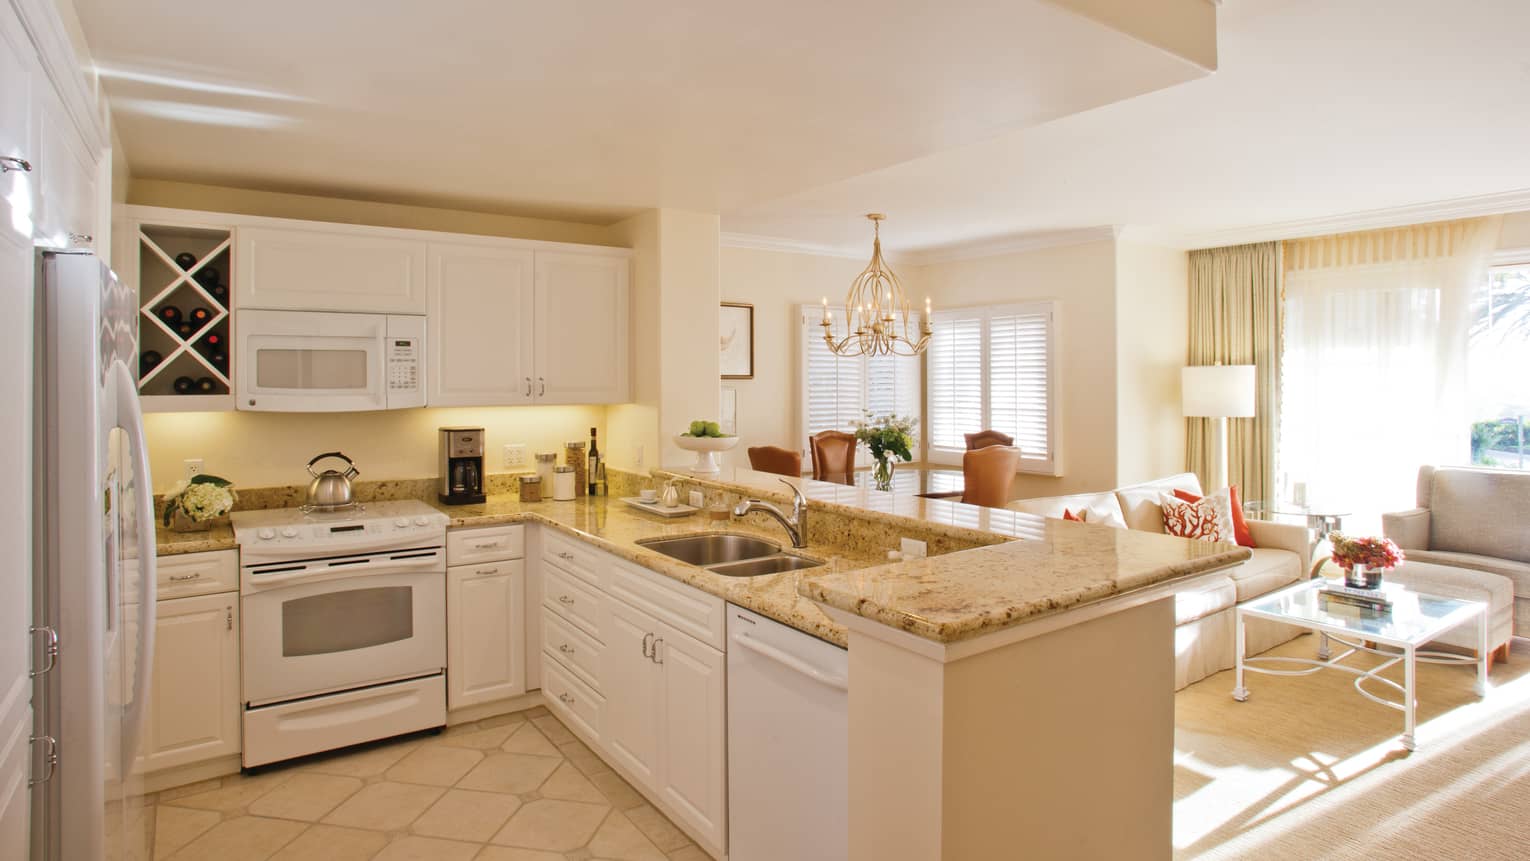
(404, 353)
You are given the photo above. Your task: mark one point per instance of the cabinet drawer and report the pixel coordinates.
(690, 610)
(572, 600)
(573, 556)
(487, 544)
(197, 574)
(573, 700)
(573, 648)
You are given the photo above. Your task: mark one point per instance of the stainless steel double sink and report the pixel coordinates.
(729, 553)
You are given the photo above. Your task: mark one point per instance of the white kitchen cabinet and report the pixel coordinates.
(193, 712)
(64, 173)
(631, 682)
(479, 326)
(318, 267)
(485, 640)
(581, 328)
(693, 701)
(18, 66)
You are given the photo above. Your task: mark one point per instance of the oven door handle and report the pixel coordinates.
(377, 565)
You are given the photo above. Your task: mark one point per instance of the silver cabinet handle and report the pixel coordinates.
(181, 578)
(50, 759)
(80, 238)
(658, 641)
(229, 617)
(563, 554)
(565, 699)
(528, 387)
(542, 386)
(9, 163)
(486, 545)
(564, 599)
(50, 650)
(483, 571)
(566, 649)
(645, 646)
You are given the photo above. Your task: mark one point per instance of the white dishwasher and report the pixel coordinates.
(788, 743)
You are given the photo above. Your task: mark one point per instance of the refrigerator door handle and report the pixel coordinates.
(130, 414)
(50, 651)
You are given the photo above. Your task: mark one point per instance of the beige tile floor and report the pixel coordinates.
(517, 787)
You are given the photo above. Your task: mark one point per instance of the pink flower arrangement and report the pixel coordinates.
(1370, 552)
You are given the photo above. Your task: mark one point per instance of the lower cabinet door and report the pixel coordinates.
(629, 679)
(194, 709)
(485, 632)
(693, 778)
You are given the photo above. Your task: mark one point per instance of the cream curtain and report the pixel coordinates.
(1374, 378)
(1235, 319)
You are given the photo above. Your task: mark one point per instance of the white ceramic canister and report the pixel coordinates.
(563, 484)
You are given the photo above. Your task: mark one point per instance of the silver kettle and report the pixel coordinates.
(330, 490)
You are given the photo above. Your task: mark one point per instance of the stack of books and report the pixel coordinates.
(1335, 594)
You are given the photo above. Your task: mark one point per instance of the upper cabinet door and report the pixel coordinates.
(63, 173)
(479, 326)
(313, 269)
(581, 328)
(17, 65)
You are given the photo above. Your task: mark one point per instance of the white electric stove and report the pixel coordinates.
(343, 626)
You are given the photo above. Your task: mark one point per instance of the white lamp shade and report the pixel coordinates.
(1218, 391)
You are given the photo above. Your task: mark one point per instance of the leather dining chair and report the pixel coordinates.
(833, 456)
(772, 458)
(987, 474)
(986, 438)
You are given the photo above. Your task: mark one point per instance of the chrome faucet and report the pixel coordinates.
(796, 525)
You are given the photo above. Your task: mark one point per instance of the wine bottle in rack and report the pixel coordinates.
(219, 359)
(185, 385)
(185, 260)
(185, 329)
(200, 317)
(170, 314)
(205, 385)
(148, 360)
(207, 276)
(219, 292)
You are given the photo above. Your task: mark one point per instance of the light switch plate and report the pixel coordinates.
(914, 548)
(515, 455)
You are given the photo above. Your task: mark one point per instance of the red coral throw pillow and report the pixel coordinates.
(1080, 517)
(1209, 519)
(1240, 526)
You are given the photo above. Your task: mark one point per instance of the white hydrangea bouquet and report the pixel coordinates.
(198, 504)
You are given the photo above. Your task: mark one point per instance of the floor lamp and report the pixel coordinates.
(1218, 392)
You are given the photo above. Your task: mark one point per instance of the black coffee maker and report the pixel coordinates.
(462, 477)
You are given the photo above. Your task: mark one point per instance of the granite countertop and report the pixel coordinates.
(974, 592)
(615, 527)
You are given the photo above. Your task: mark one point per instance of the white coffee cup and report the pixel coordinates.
(649, 495)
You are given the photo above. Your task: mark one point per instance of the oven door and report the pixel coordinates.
(305, 637)
(304, 361)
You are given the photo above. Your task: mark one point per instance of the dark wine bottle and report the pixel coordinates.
(219, 293)
(148, 360)
(206, 276)
(592, 466)
(185, 385)
(205, 385)
(200, 317)
(212, 341)
(185, 329)
(170, 314)
(219, 360)
(185, 260)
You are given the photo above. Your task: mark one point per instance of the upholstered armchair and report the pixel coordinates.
(985, 438)
(771, 458)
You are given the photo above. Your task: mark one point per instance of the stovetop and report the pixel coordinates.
(368, 526)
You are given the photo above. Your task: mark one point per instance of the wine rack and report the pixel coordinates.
(185, 327)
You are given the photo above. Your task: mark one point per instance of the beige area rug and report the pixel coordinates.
(1309, 769)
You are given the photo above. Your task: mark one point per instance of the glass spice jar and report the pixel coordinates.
(573, 455)
(546, 461)
(531, 488)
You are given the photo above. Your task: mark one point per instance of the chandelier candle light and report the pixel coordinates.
(876, 311)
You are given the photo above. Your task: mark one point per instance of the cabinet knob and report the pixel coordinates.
(81, 238)
(9, 163)
(178, 578)
(229, 617)
(563, 554)
(566, 649)
(564, 599)
(566, 699)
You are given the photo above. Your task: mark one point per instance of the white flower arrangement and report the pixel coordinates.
(202, 499)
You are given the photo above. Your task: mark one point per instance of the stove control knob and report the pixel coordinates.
(266, 534)
(401, 522)
(420, 521)
(289, 532)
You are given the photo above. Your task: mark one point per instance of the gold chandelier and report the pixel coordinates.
(876, 311)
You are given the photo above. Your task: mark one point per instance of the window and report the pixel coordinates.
(1499, 354)
(992, 368)
(837, 391)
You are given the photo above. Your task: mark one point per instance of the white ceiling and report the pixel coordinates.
(590, 110)
(1319, 108)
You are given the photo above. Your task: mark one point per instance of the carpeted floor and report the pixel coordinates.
(1309, 769)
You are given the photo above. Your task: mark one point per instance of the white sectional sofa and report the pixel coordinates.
(1204, 638)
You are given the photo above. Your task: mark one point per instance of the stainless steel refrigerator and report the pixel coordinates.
(93, 558)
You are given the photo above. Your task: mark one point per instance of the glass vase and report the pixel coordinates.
(1361, 576)
(882, 473)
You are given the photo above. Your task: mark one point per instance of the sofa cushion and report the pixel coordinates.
(1268, 569)
(1452, 581)
(1207, 519)
(1517, 572)
(1215, 595)
(1101, 507)
(1139, 502)
(1480, 511)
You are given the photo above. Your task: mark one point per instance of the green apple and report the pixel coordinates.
(698, 428)
(713, 429)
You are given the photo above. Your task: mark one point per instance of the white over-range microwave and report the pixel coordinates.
(309, 361)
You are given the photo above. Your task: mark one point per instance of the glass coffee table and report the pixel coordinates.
(1415, 619)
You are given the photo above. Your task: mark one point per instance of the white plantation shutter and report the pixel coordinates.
(836, 391)
(1019, 381)
(892, 385)
(992, 368)
(955, 377)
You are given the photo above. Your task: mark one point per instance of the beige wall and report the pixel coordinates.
(1152, 333)
(634, 426)
(214, 198)
(261, 449)
(689, 356)
(1082, 278)
(1516, 231)
(776, 283)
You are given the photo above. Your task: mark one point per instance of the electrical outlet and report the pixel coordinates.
(515, 455)
(637, 455)
(697, 500)
(914, 549)
(193, 467)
